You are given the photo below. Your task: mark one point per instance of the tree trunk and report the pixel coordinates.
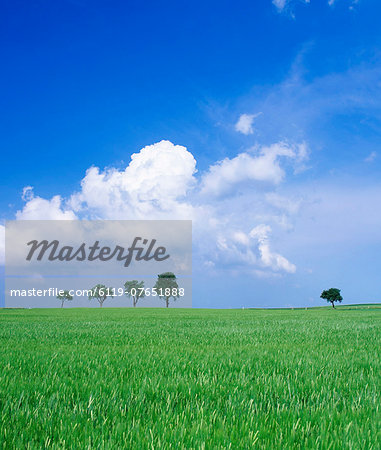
(333, 305)
(101, 303)
(167, 301)
(134, 302)
(62, 303)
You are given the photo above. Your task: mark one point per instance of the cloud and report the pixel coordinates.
(152, 185)
(245, 123)
(352, 95)
(268, 258)
(258, 230)
(265, 166)
(351, 7)
(27, 193)
(371, 157)
(279, 4)
(239, 250)
(283, 203)
(37, 208)
(160, 183)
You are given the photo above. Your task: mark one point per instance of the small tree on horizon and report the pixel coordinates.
(100, 292)
(332, 295)
(138, 292)
(167, 287)
(64, 296)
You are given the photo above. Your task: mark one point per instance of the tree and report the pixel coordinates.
(135, 290)
(166, 287)
(332, 295)
(64, 295)
(100, 292)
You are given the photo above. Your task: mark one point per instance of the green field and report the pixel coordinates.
(157, 378)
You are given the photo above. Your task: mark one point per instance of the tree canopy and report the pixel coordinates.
(100, 292)
(167, 287)
(135, 290)
(332, 295)
(65, 295)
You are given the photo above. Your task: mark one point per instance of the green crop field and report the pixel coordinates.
(157, 378)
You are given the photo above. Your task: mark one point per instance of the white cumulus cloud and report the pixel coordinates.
(265, 166)
(37, 208)
(244, 124)
(154, 183)
(268, 258)
(160, 183)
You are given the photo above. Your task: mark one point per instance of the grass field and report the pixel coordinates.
(156, 378)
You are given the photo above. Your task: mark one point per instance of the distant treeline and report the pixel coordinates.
(166, 288)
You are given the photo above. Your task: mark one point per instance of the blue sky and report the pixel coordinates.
(286, 93)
